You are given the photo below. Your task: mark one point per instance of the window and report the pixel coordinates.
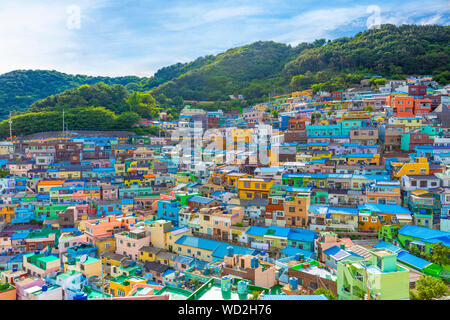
(379, 262)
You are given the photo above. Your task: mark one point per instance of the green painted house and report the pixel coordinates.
(380, 276)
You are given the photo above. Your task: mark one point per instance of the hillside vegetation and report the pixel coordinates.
(256, 71)
(19, 89)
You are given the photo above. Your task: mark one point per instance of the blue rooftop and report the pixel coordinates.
(292, 251)
(221, 251)
(302, 235)
(412, 260)
(388, 246)
(199, 199)
(422, 232)
(385, 208)
(200, 243)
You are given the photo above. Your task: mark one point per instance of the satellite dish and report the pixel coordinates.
(83, 258)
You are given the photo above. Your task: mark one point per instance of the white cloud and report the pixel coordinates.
(126, 38)
(186, 18)
(315, 24)
(430, 20)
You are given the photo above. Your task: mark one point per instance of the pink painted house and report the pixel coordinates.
(106, 227)
(223, 220)
(128, 243)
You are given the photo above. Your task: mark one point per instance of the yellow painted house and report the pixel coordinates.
(270, 237)
(45, 186)
(148, 253)
(134, 167)
(240, 137)
(90, 267)
(304, 95)
(320, 156)
(119, 169)
(254, 188)
(195, 247)
(409, 122)
(121, 286)
(69, 174)
(419, 167)
(138, 180)
(7, 212)
(355, 159)
(233, 177)
(162, 234)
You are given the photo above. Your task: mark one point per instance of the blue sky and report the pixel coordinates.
(125, 37)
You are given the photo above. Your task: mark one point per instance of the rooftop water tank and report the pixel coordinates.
(230, 251)
(226, 284)
(37, 252)
(242, 287)
(254, 263)
(293, 283)
(44, 288)
(80, 296)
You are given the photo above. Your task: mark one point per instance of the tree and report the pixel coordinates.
(143, 104)
(255, 295)
(368, 108)
(126, 120)
(430, 288)
(326, 292)
(440, 254)
(4, 173)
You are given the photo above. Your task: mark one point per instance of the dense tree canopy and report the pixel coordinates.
(19, 89)
(429, 288)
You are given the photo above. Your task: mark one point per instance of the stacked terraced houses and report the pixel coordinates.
(334, 190)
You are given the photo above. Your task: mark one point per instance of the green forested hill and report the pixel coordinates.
(19, 89)
(390, 50)
(237, 71)
(89, 107)
(263, 67)
(255, 71)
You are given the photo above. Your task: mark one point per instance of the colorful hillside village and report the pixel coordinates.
(349, 199)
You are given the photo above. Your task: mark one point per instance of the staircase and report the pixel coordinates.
(363, 252)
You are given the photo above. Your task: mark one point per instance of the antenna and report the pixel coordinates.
(83, 258)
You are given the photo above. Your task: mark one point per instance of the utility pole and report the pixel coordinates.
(103, 283)
(10, 127)
(63, 122)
